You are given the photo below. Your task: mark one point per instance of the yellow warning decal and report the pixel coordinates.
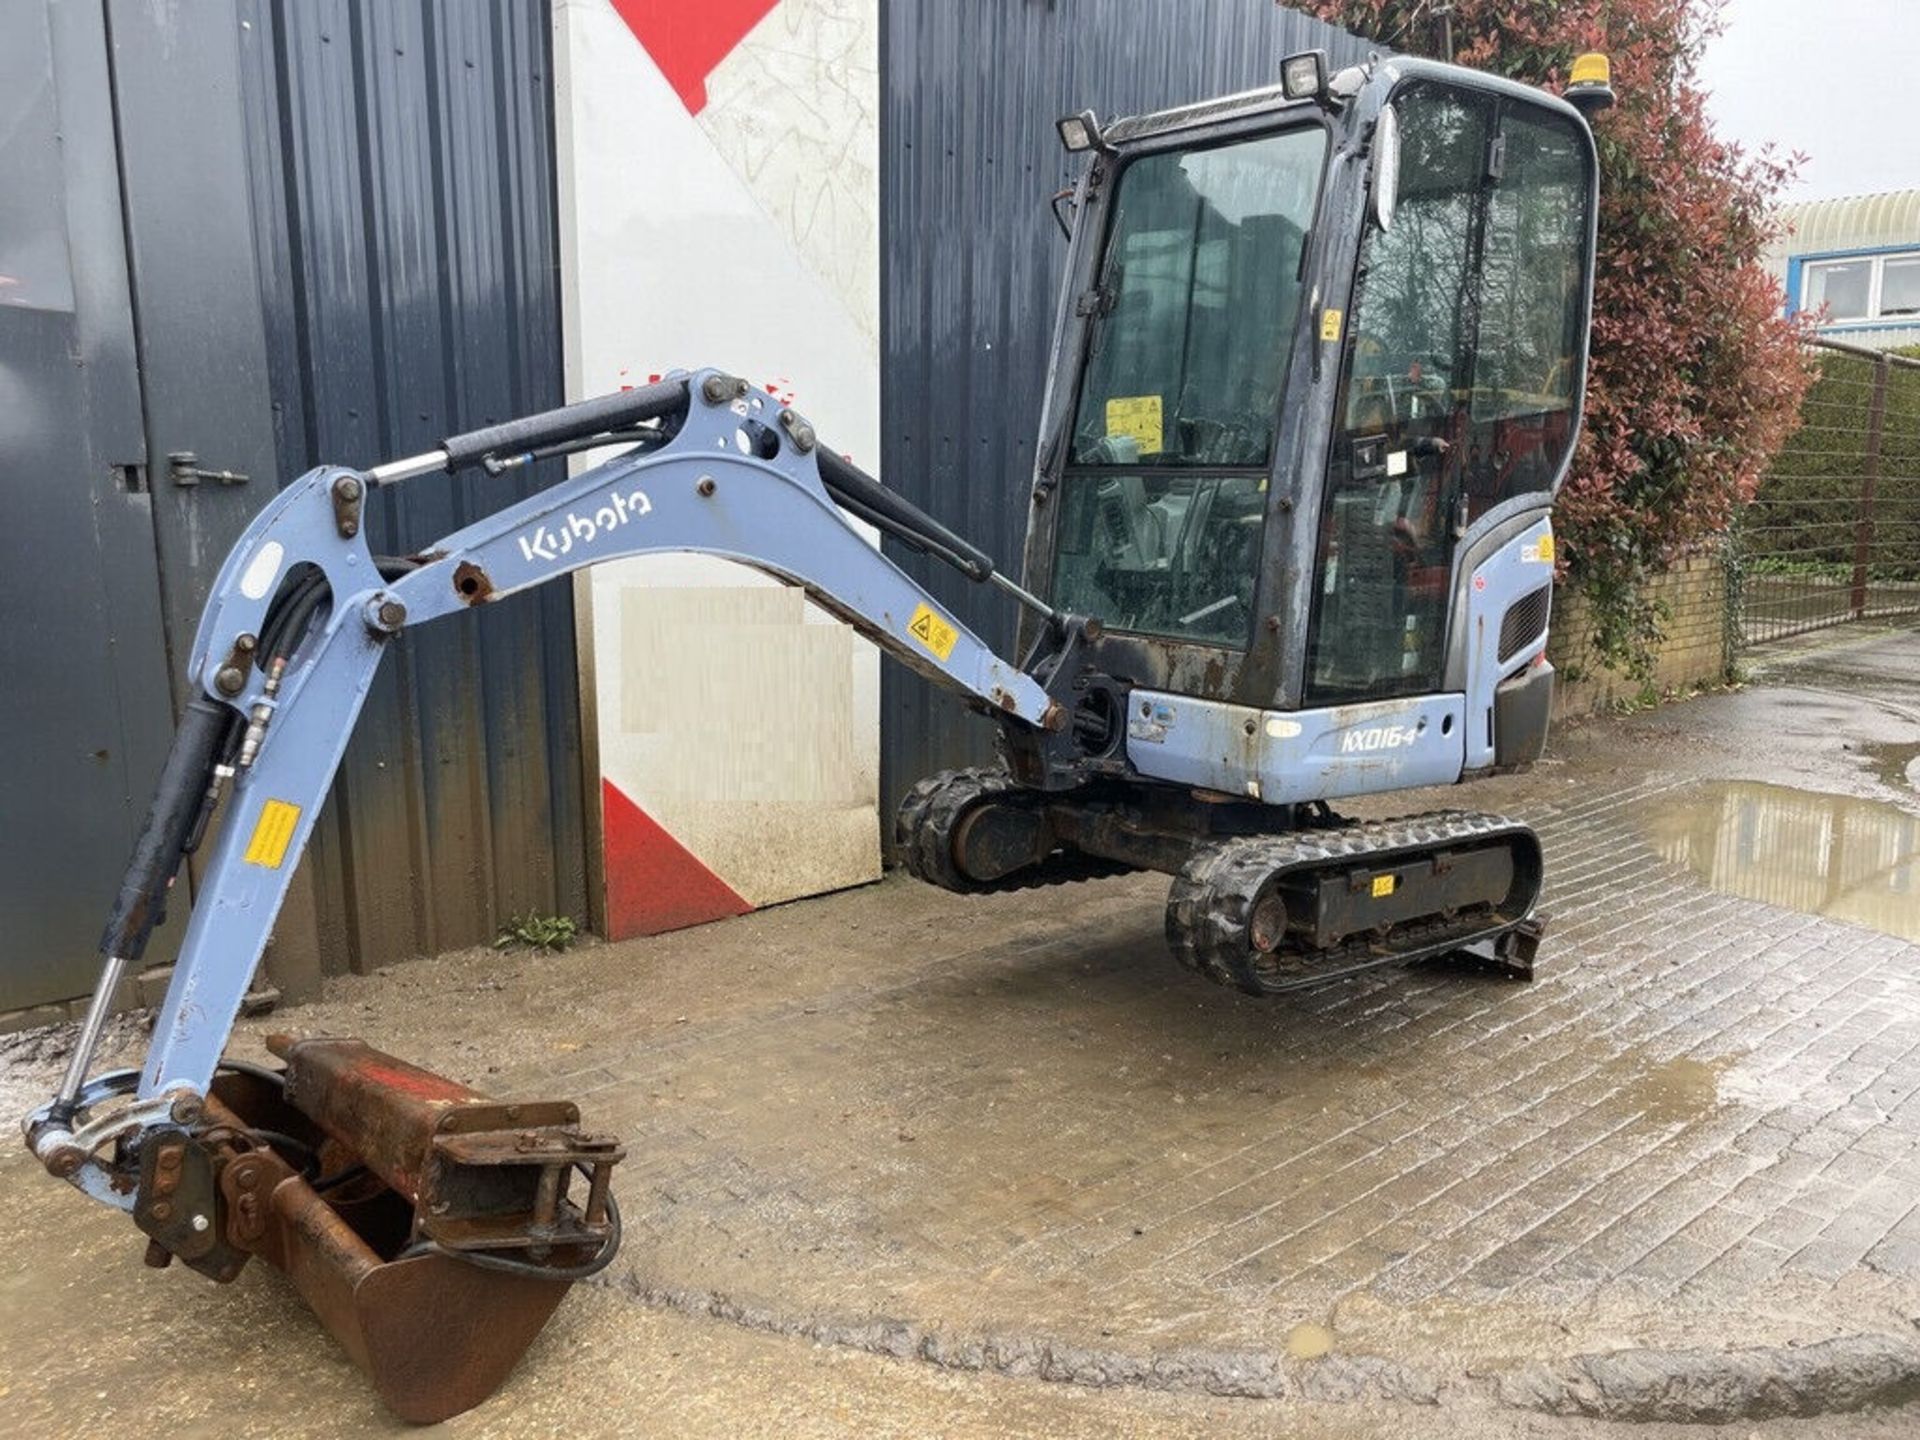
(272, 834)
(1330, 321)
(933, 632)
(1383, 886)
(1138, 417)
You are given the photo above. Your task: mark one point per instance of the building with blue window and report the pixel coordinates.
(1857, 261)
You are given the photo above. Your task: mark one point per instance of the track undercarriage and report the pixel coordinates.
(1265, 899)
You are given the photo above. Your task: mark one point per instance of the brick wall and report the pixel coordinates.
(1694, 651)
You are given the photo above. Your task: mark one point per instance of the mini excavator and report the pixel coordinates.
(1317, 375)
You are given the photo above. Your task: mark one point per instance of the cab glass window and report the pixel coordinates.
(1195, 304)
(1164, 497)
(1531, 274)
(1462, 375)
(1467, 324)
(1161, 553)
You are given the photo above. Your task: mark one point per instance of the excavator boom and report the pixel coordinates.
(412, 1196)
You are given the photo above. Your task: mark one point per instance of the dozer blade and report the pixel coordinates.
(429, 1228)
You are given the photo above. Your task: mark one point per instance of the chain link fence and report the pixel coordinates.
(1833, 535)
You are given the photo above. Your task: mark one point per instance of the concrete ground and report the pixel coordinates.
(905, 1162)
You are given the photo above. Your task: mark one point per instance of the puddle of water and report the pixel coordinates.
(1308, 1341)
(1856, 860)
(1676, 1090)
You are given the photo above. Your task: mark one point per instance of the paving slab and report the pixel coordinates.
(1008, 1135)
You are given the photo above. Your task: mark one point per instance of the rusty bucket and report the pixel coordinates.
(431, 1229)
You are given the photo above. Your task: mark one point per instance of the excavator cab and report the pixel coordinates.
(1317, 376)
(1320, 357)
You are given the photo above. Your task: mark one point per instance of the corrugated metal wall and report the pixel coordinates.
(324, 230)
(971, 260)
(401, 155)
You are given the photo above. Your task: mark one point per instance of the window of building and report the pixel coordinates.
(1899, 286)
(1863, 288)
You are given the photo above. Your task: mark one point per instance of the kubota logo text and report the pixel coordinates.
(545, 543)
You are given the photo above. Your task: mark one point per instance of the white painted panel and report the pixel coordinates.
(744, 237)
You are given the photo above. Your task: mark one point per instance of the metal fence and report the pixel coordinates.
(1834, 534)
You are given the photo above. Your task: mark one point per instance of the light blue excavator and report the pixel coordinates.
(1317, 376)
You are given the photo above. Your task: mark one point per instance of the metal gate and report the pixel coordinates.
(330, 225)
(1833, 535)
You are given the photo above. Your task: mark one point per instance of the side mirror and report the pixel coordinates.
(1386, 169)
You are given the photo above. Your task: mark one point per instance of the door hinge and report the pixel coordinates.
(1097, 301)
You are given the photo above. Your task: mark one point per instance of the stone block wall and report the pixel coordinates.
(1694, 652)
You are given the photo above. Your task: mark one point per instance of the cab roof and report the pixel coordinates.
(1384, 71)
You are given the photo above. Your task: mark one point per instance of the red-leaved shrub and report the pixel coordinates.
(1696, 376)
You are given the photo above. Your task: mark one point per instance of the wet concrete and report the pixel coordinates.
(94, 1344)
(1837, 712)
(896, 1143)
(1678, 1091)
(1897, 766)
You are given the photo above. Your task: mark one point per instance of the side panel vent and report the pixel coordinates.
(1524, 621)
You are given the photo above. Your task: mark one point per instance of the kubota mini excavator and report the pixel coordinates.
(1317, 375)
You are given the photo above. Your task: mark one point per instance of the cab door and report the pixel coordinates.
(1460, 380)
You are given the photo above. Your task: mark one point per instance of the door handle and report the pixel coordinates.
(183, 468)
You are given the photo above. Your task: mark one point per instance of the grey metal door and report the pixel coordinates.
(83, 674)
(271, 234)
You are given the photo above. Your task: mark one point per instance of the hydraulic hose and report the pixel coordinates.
(853, 487)
(203, 750)
(599, 421)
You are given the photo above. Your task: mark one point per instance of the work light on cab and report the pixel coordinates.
(1304, 76)
(1079, 132)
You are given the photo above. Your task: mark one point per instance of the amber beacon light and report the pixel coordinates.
(1590, 83)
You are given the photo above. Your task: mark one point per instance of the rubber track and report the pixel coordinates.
(924, 827)
(1211, 903)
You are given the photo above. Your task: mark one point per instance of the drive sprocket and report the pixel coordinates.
(930, 821)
